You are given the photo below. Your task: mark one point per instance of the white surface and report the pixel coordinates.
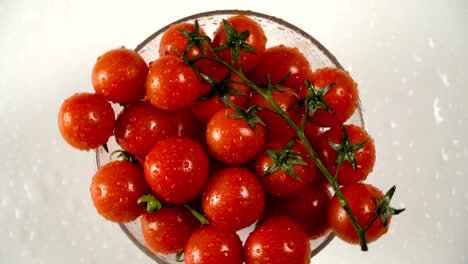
(409, 58)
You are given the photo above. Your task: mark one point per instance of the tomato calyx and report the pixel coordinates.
(384, 210)
(195, 38)
(152, 203)
(315, 99)
(284, 160)
(124, 155)
(179, 257)
(249, 115)
(346, 149)
(235, 42)
(221, 89)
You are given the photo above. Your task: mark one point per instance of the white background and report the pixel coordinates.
(409, 58)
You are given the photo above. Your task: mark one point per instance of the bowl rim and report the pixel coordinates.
(328, 237)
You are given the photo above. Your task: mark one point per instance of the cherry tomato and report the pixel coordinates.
(256, 40)
(205, 109)
(173, 42)
(278, 62)
(308, 208)
(212, 69)
(171, 85)
(140, 125)
(342, 98)
(86, 121)
(189, 126)
(213, 245)
(365, 157)
(231, 140)
(169, 229)
(115, 189)
(176, 169)
(280, 183)
(277, 240)
(362, 201)
(119, 75)
(277, 127)
(233, 199)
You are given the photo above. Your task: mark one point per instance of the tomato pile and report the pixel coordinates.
(219, 134)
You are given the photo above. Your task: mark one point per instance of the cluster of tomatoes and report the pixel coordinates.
(206, 144)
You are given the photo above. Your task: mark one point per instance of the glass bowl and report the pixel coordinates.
(278, 32)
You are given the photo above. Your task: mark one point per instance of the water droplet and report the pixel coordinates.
(438, 118)
(444, 154)
(430, 42)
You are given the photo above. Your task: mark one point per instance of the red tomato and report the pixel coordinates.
(312, 132)
(280, 183)
(173, 42)
(189, 126)
(277, 127)
(362, 201)
(278, 240)
(365, 157)
(169, 229)
(212, 245)
(214, 70)
(86, 121)
(233, 199)
(308, 208)
(278, 62)
(140, 125)
(171, 85)
(115, 189)
(205, 109)
(119, 75)
(256, 40)
(233, 141)
(342, 98)
(176, 169)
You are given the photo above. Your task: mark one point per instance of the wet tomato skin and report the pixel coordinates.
(140, 125)
(342, 98)
(213, 245)
(277, 240)
(362, 201)
(119, 75)
(256, 39)
(86, 121)
(231, 140)
(176, 169)
(169, 229)
(173, 42)
(280, 183)
(365, 157)
(171, 85)
(308, 208)
(233, 199)
(115, 190)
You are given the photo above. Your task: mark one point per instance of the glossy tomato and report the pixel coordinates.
(233, 199)
(119, 75)
(228, 89)
(176, 169)
(342, 97)
(213, 245)
(277, 127)
(280, 61)
(280, 182)
(169, 229)
(362, 201)
(86, 121)
(364, 157)
(256, 39)
(277, 240)
(231, 140)
(140, 125)
(308, 208)
(174, 42)
(171, 85)
(115, 189)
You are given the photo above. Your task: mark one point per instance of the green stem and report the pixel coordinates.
(301, 135)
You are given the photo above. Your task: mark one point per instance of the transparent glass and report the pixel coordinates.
(277, 32)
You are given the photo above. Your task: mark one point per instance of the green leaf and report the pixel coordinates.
(315, 99)
(346, 150)
(199, 216)
(384, 210)
(284, 159)
(179, 256)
